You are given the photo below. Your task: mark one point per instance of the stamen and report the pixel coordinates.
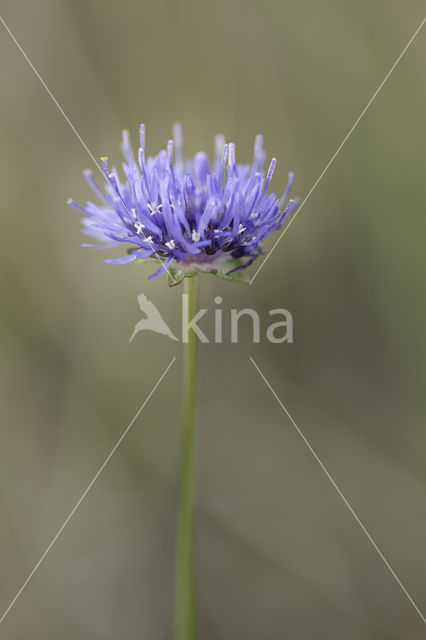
(189, 191)
(195, 236)
(231, 158)
(142, 135)
(126, 146)
(104, 161)
(287, 189)
(258, 144)
(223, 162)
(270, 172)
(170, 151)
(201, 167)
(219, 143)
(258, 154)
(141, 158)
(76, 205)
(139, 226)
(152, 210)
(177, 137)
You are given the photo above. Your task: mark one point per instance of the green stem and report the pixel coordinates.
(185, 578)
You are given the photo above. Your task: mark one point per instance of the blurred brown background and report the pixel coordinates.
(279, 555)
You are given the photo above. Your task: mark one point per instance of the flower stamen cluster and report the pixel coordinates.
(189, 215)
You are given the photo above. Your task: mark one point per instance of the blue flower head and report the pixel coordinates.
(187, 215)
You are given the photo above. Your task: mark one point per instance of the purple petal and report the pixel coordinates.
(123, 260)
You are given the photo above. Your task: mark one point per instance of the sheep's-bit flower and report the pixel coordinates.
(184, 214)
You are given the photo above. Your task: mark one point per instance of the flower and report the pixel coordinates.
(186, 215)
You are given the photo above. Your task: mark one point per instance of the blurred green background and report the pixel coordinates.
(279, 555)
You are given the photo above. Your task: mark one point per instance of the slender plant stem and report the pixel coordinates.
(185, 578)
